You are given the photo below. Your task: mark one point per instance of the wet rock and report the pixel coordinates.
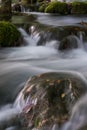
(16, 7)
(69, 42)
(49, 99)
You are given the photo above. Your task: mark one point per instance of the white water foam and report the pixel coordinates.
(30, 40)
(55, 60)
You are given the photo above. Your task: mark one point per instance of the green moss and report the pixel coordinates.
(57, 7)
(42, 8)
(79, 7)
(9, 35)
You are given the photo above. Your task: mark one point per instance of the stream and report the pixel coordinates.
(18, 64)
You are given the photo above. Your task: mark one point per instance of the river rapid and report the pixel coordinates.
(19, 63)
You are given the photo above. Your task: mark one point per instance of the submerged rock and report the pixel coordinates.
(49, 98)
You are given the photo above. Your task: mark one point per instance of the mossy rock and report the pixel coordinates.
(56, 7)
(49, 98)
(79, 8)
(9, 35)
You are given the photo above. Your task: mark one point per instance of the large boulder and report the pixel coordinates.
(47, 99)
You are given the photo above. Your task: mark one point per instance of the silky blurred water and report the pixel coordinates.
(18, 64)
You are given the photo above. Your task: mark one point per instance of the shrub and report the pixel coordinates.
(39, 1)
(62, 8)
(56, 7)
(5, 14)
(43, 7)
(9, 35)
(79, 7)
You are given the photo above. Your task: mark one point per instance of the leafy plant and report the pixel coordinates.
(43, 6)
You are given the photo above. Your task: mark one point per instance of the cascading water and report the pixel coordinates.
(80, 34)
(18, 64)
(32, 39)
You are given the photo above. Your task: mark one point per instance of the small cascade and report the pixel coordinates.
(19, 102)
(8, 116)
(80, 35)
(74, 39)
(30, 40)
(53, 44)
(78, 119)
(22, 8)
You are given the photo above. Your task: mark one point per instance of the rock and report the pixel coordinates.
(49, 98)
(16, 7)
(69, 42)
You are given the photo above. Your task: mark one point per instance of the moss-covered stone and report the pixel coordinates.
(9, 35)
(57, 7)
(79, 8)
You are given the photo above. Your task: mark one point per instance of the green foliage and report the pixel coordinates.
(43, 7)
(29, 4)
(52, 7)
(9, 35)
(39, 0)
(25, 2)
(5, 10)
(56, 7)
(62, 8)
(79, 7)
(6, 6)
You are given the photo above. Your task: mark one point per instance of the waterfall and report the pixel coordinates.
(30, 40)
(22, 8)
(78, 40)
(36, 37)
(80, 35)
(75, 40)
(19, 102)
